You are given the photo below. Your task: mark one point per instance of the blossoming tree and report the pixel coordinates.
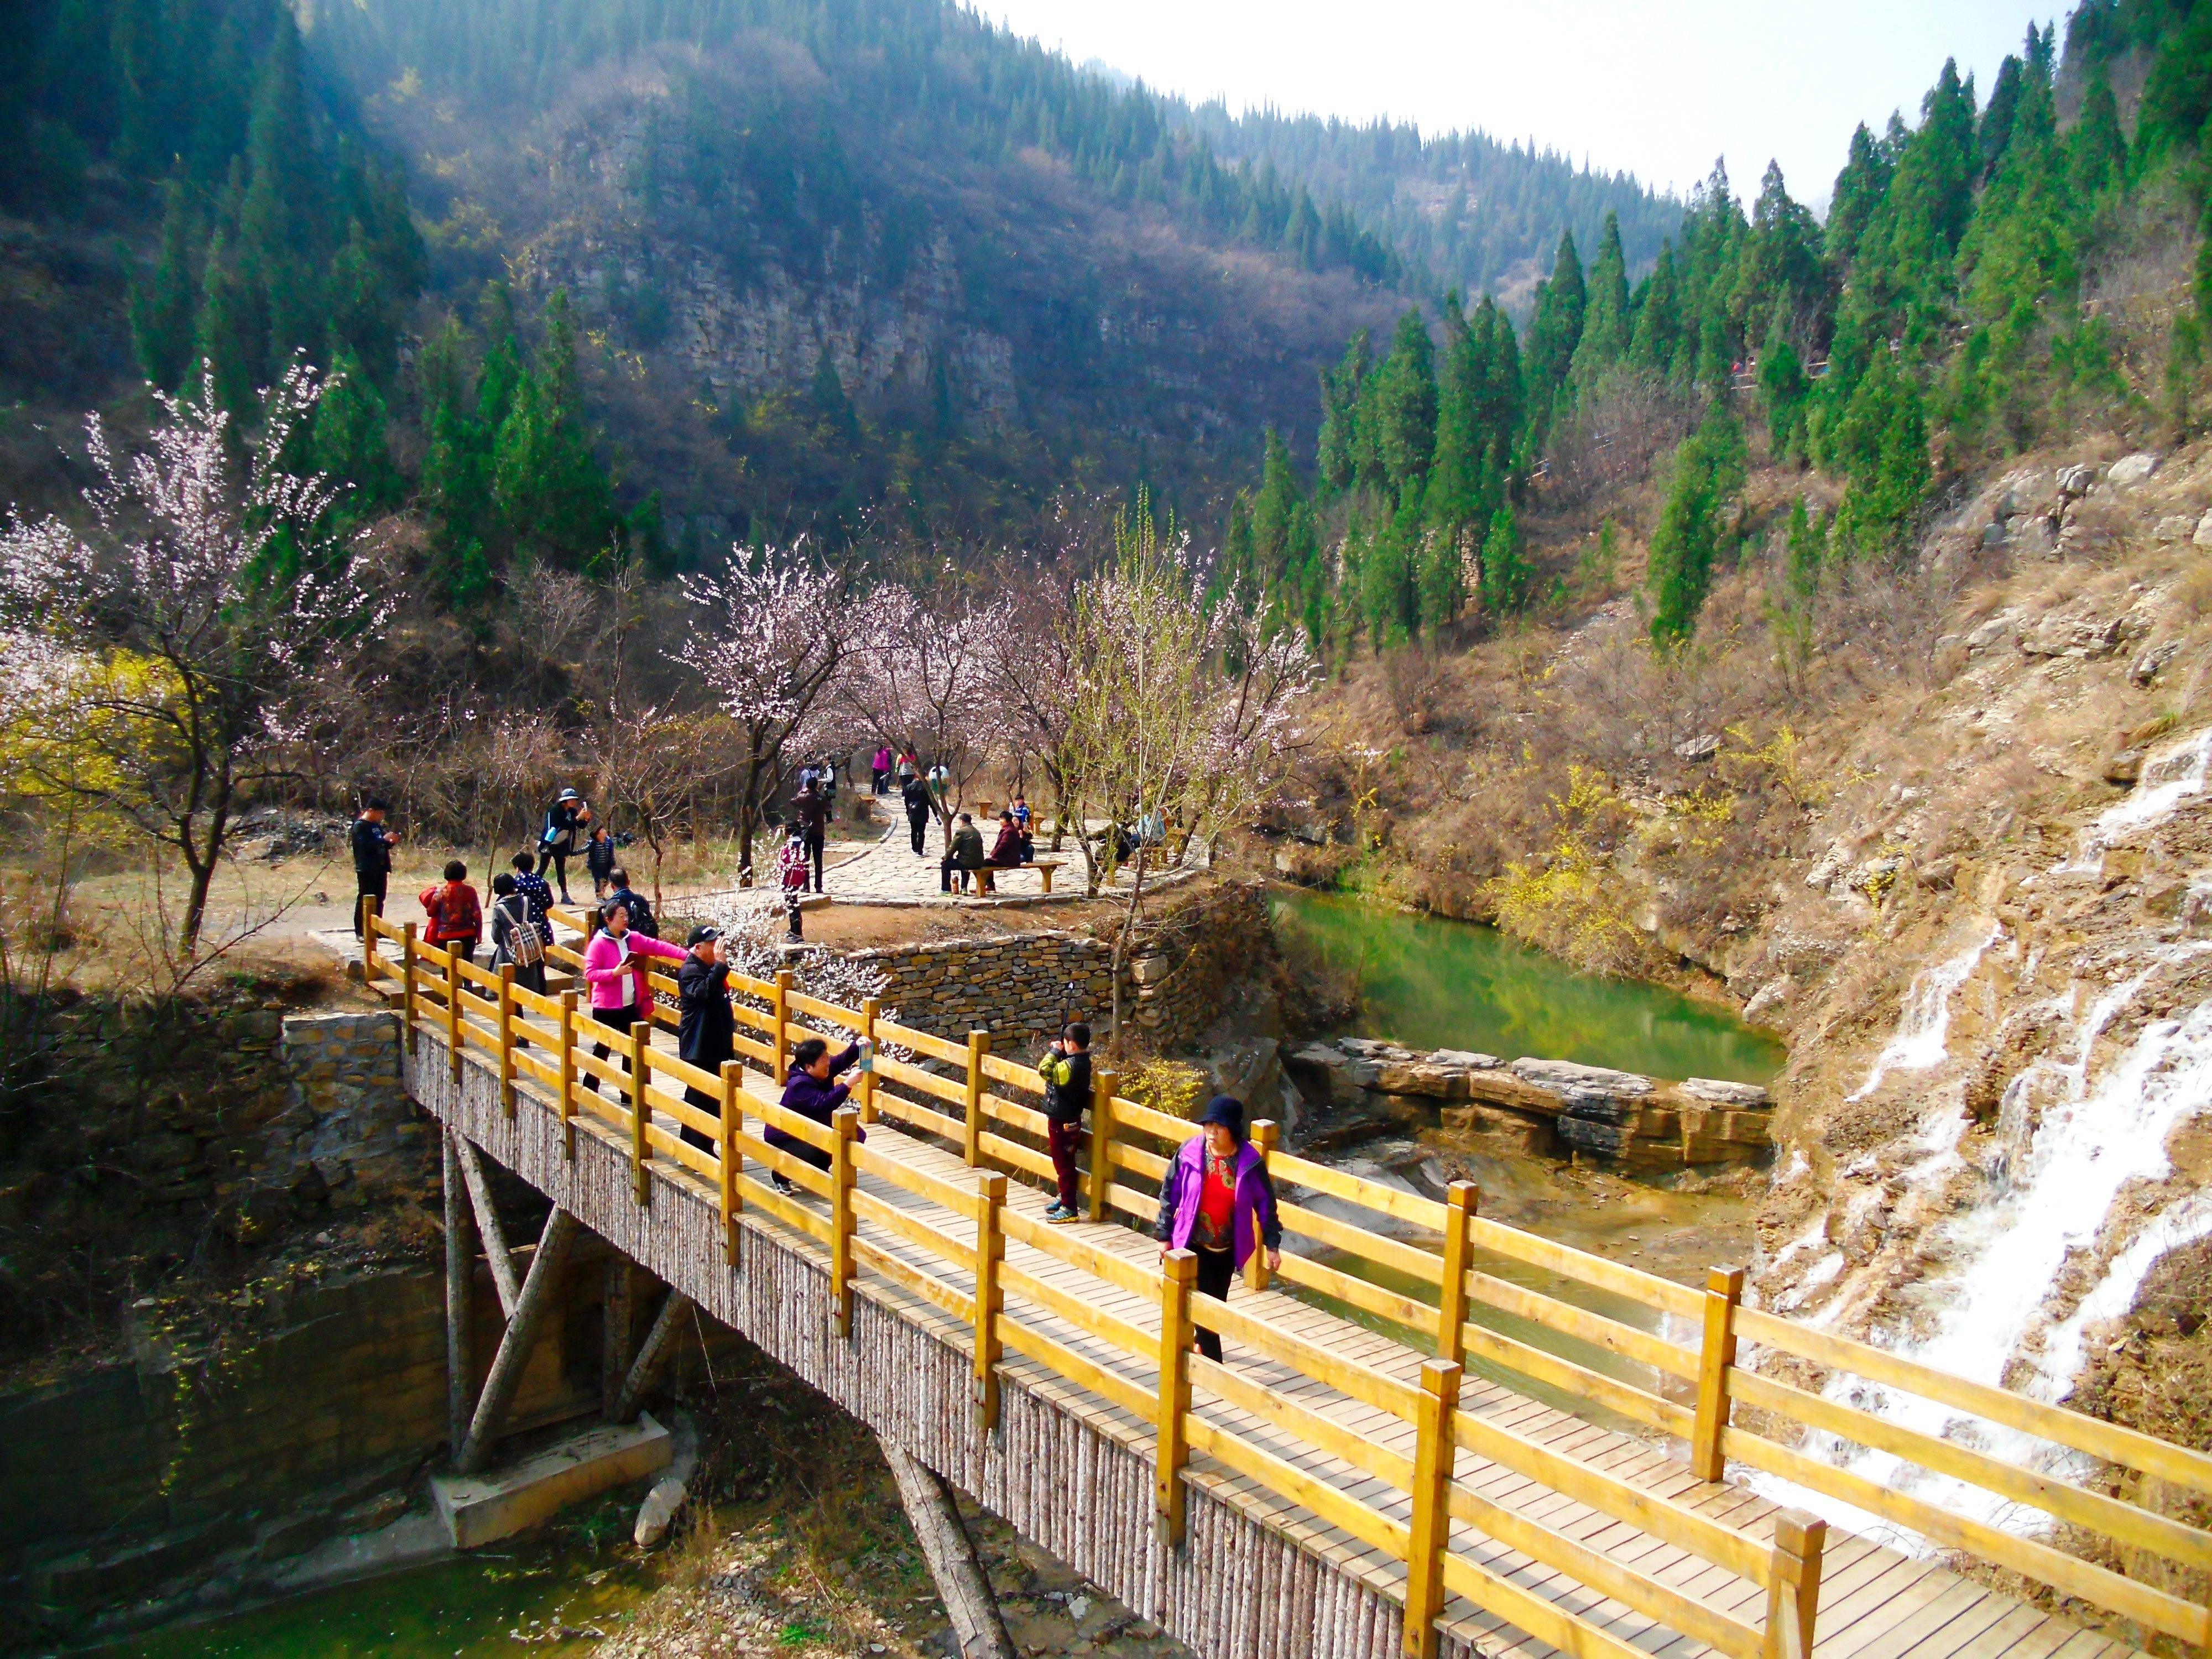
(201, 600)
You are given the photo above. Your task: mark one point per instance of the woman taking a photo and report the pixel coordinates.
(1218, 1201)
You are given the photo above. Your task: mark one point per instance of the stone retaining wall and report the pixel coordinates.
(1019, 987)
(349, 1128)
(1542, 1107)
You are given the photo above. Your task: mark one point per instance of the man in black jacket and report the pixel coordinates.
(706, 1031)
(810, 810)
(640, 913)
(372, 858)
(914, 794)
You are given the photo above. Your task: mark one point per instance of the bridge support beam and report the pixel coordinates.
(506, 1365)
(615, 1331)
(648, 1355)
(945, 1546)
(487, 1227)
(460, 1376)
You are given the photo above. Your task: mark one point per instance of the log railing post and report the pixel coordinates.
(1103, 1084)
(1793, 1584)
(1178, 1272)
(453, 1006)
(1434, 1452)
(779, 1007)
(846, 1124)
(1460, 1199)
(731, 1160)
(640, 1114)
(1264, 1135)
(990, 1251)
(568, 1076)
(1723, 1290)
(868, 1011)
(369, 941)
(979, 1044)
(506, 1038)
(410, 995)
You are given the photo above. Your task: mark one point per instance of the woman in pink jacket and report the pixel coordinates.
(615, 964)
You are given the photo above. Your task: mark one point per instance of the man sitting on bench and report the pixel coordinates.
(1006, 853)
(964, 858)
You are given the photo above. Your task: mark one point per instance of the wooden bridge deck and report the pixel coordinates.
(1258, 1576)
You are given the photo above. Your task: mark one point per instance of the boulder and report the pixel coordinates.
(1719, 1092)
(2075, 480)
(1501, 1088)
(1700, 748)
(1572, 1081)
(2132, 469)
(1418, 1077)
(657, 1513)
(2175, 527)
(1501, 1130)
(2124, 768)
(2203, 536)
(1465, 1060)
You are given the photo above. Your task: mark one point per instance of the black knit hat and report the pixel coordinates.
(1227, 1111)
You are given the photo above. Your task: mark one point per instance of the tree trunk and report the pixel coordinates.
(961, 1583)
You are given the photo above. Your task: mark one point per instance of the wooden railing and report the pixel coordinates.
(977, 1102)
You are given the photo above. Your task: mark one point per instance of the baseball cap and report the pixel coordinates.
(701, 933)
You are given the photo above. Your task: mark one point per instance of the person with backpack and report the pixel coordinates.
(1220, 1202)
(791, 875)
(1066, 1074)
(567, 822)
(532, 889)
(456, 914)
(372, 858)
(514, 936)
(706, 1031)
(640, 913)
(879, 768)
(914, 795)
(614, 967)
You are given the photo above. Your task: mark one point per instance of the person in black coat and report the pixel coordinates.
(706, 1030)
(914, 795)
(640, 913)
(810, 810)
(811, 1092)
(372, 858)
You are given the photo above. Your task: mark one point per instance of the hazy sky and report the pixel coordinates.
(1657, 86)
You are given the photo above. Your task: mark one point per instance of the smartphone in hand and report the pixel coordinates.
(868, 1054)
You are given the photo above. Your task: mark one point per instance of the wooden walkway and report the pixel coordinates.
(1304, 1536)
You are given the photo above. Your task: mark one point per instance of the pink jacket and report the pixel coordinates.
(605, 968)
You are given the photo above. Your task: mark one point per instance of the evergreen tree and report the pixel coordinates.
(1334, 459)
(2098, 150)
(1659, 319)
(1860, 188)
(1404, 409)
(551, 489)
(1781, 382)
(1562, 300)
(1782, 279)
(1507, 575)
(350, 441)
(162, 308)
(1273, 510)
(231, 335)
(1709, 475)
(839, 423)
(1606, 322)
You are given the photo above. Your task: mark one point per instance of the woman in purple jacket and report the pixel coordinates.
(809, 1092)
(1220, 1202)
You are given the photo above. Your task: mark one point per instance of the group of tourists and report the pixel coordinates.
(966, 865)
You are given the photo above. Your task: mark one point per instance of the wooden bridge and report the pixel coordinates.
(1329, 1491)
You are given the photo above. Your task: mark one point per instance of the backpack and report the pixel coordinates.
(524, 946)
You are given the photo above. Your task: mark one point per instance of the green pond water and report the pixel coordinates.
(558, 1591)
(1432, 983)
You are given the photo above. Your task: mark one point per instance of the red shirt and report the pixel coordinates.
(1217, 1204)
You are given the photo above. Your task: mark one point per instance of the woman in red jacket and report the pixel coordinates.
(456, 914)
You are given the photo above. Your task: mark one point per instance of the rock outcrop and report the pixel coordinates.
(1529, 1107)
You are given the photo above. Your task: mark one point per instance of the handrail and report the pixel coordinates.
(646, 1096)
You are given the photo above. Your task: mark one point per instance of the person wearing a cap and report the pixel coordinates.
(565, 822)
(1220, 1202)
(706, 1030)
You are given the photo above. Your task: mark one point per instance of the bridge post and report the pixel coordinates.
(1434, 1451)
(1264, 1133)
(640, 1114)
(779, 1007)
(568, 1076)
(1460, 1199)
(409, 1006)
(460, 1372)
(369, 912)
(731, 1160)
(1793, 1584)
(454, 1010)
(506, 1365)
(1716, 1354)
(1178, 1272)
(506, 1038)
(979, 1044)
(1103, 1084)
(869, 1008)
(990, 1251)
(846, 1122)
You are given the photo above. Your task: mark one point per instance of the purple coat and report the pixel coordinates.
(1186, 1181)
(810, 1096)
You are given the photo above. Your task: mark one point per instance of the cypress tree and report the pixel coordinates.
(1556, 330)
(1881, 446)
(2097, 157)
(1781, 382)
(1659, 319)
(232, 334)
(161, 307)
(350, 441)
(1860, 188)
(1405, 409)
(1708, 473)
(1507, 575)
(1605, 323)
(1334, 459)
